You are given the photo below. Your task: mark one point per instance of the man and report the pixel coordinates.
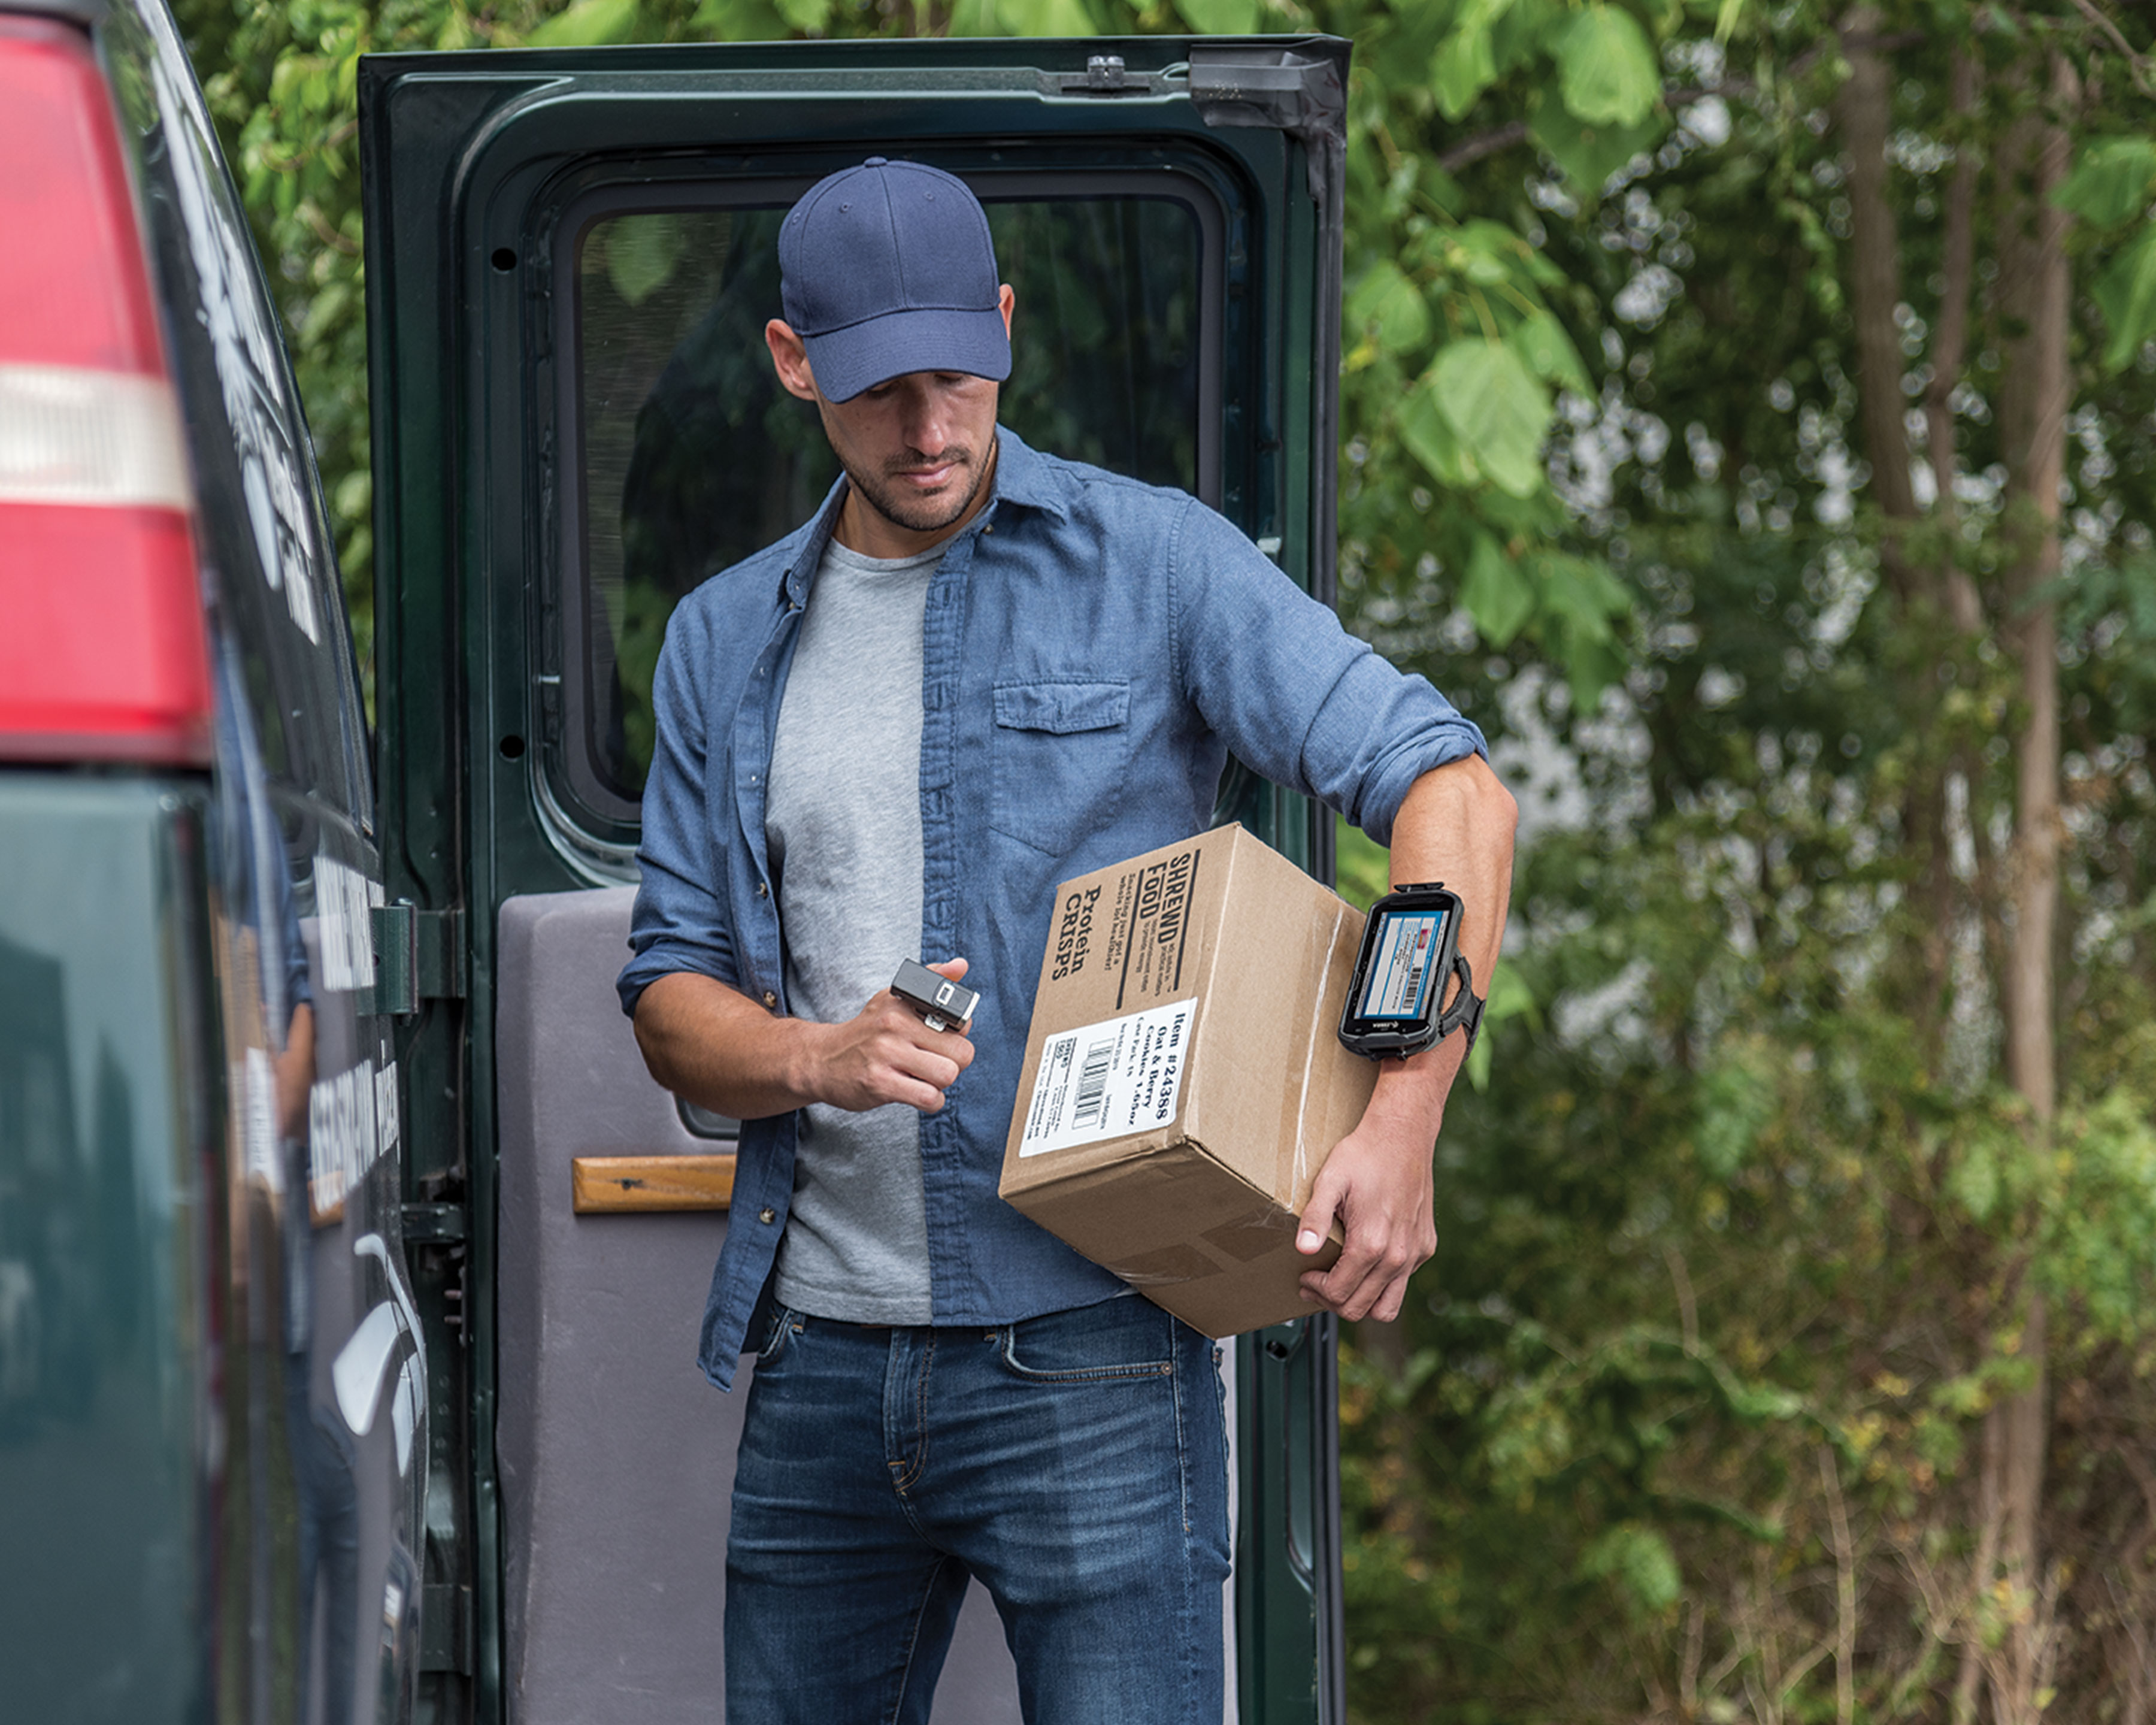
(979, 671)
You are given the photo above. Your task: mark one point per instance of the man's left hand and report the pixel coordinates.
(1377, 1184)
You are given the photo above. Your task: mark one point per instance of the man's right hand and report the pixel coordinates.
(714, 1046)
(886, 1053)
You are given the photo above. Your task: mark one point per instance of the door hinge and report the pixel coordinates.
(433, 1223)
(418, 955)
(446, 1628)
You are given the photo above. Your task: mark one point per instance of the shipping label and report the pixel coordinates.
(1110, 1079)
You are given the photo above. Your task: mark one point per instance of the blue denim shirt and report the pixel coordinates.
(1092, 649)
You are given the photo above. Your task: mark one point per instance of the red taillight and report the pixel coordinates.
(103, 652)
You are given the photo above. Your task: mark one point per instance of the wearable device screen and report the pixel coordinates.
(1401, 980)
(1411, 946)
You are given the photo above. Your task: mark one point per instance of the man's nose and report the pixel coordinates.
(927, 416)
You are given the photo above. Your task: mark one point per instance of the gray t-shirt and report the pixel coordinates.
(843, 823)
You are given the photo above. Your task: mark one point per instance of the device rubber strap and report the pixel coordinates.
(1466, 1009)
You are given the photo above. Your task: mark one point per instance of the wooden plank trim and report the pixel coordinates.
(618, 1185)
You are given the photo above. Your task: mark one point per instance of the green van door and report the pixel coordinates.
(569, 257)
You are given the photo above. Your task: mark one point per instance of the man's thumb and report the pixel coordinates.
(1317, 1224)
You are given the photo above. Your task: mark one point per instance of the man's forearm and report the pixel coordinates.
(1456, 826)
(717, 1047)
(714, 1046)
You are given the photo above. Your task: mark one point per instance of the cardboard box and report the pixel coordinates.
(1183, 1079)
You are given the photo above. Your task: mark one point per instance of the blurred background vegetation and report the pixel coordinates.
(1748, 412)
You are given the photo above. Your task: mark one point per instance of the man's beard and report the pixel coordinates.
(917, 514)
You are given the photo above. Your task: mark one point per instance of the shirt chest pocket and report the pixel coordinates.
(1059, 749)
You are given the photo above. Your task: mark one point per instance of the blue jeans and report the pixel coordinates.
(1076, 1463)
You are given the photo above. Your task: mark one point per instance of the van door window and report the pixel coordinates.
(684, 454)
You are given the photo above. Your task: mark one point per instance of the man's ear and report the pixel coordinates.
(789, 358)
(1005, 298)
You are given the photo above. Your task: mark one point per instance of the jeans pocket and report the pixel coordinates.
(1126, 1339)
(785, 1324)
(1058, 753)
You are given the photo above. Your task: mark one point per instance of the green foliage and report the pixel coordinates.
(1640, 1562)
(1492, 404)
(2113, 181)
(1606, 68)
(1740, 1240)
(2127, 293)
(590, 24)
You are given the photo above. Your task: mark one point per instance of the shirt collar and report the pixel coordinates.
(808, 543)
(1023, 477)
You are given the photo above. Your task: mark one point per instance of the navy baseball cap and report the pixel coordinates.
(888, 268)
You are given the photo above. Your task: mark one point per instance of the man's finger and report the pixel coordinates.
(954, 970)
(1316, 1223)
(1360, 1266)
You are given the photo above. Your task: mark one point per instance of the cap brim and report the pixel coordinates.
(848, 361)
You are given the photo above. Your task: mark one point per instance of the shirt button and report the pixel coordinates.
(767, 1215)
(763, 890)
(770, 1000)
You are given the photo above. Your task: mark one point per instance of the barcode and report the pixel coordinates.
(1414, 985)
(1093, 1083)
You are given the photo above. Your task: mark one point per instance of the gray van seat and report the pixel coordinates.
(615, 1456)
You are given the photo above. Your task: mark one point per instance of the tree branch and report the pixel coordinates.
(1862, 110)
(1950, 346)
(2137, 64)
(1488, 143)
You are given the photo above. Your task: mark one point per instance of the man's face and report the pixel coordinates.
(918, 450)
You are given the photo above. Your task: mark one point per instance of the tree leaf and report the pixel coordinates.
(1431, 440)
(1591, 663)
(1642, 1563)
(806, 15)
(1046, 18)
(1464, 63)
(1462, 69)
(1606, 68)
(1391, 307)
(589, 23)
(1583, 597)
(1588, 154)
(1541, 340)
(1735, 1101)
(1498, 410)
(1972, 1181)
(1506, 996)
(1496, 595)
(642, 253)
(2112, 182)
(1220, 18)
(1518, 34)
(2126, 295)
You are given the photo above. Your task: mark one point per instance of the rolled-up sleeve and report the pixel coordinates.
(1291, 692)
(679, 922)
